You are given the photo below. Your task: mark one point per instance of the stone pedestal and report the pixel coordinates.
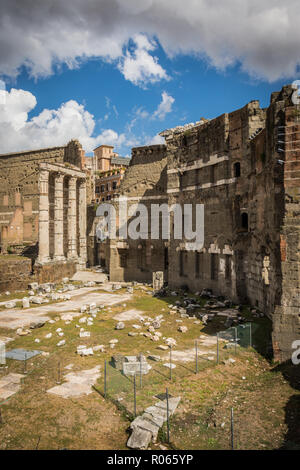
(157, 280)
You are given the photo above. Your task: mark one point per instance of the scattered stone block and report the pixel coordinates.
(120, 325)
(163, 347)
(169, 365)
(11, 304)
(25, 302)
(182, 329)
(154, 357)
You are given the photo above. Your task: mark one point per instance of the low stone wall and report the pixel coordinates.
(54, 272)
(15, 272)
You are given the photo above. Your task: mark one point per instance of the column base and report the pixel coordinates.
(81, 264)
(59, 258)
(42, 261)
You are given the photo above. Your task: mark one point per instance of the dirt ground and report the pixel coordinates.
(264, 396)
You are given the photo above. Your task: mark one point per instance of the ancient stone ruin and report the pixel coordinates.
(244, 167)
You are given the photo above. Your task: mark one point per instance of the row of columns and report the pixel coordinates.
(59, 255)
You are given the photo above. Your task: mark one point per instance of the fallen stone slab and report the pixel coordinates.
(146, 427)
(10, 384)
(139, 439)
(77, 383)
(129, 315)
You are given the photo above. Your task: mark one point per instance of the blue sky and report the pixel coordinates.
(139, 85)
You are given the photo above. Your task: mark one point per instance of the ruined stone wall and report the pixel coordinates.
(53, 272)
(201, 170)
(15, 273)
(145, 181)
(245, 168)
(19, 194)
(286, 140)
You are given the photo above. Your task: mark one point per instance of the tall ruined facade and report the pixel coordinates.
(43, 208)
(245, 168)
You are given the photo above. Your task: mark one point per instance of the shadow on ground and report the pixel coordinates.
(291, 373)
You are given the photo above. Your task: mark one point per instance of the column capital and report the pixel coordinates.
(59, 176)
(72, 181)
(44, 174)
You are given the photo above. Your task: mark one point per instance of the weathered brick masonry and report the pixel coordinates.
(245, 168)
(43, 208)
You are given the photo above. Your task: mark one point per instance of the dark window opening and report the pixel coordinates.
(244, 220)
(114, 185)
(212, 174)
(141, 257)
(122, 258)
(237, 169)
(166, 258)
(227, 267)
(182, 262)
(198, 264)
(214, 267)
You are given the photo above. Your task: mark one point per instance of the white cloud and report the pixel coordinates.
(164, 107)
(155, 140)
(262, 35)
(50, 127)
(139, 67)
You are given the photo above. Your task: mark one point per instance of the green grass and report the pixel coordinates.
(206, 397)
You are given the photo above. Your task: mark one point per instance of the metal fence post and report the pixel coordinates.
(250, 335)
(141, 378)
(134, 394)
(168, 421)
(25, 364)
(196, 346)
(235, 338)
(217, 348)
(232, 430)
(58, 374)
(105, 389)
(170, 362)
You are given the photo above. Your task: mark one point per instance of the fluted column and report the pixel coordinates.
(82, 223)
(72, 225)
(43, 256)
(59, 217)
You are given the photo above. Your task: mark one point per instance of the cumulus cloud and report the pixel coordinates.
(155, 140)
(139, 67)
(165, 106)
(262, 35)
(50, 127)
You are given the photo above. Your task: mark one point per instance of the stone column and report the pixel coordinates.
(72, 220)
(59, 217)
(82, 223)
(43, 256)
